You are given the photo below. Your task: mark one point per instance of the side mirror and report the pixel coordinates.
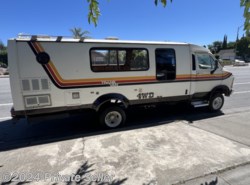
(216, 67)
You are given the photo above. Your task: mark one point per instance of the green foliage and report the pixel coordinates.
(224, 44)
(215, 47)
(246, 5)
(163, 2)
(243, 48)
(3, 55)
(2, 46)
(94, 11)
(78, 33)
(226, 62)
(231, 45)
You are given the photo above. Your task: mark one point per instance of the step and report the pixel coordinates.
(197, 104)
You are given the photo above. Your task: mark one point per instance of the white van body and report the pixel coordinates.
(54, 74)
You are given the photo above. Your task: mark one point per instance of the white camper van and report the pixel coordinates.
(55, 74)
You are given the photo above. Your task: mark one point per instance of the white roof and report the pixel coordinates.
(133, 42)
(68, 39)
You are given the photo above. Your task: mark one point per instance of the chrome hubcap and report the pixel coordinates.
(113, 119)
(217, 103)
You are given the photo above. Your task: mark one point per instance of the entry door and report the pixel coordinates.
(167, 75)
(165, 64)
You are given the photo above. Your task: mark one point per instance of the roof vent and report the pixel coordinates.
(111, 38)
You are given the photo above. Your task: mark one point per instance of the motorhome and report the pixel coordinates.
(58, 74)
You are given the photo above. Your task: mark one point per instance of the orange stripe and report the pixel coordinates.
(53, 75)
(38, 47)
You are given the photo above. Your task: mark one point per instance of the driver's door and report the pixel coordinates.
(208, 73)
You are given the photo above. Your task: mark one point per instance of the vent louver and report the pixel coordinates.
(26, 85)
(37, 101)
(35, 84)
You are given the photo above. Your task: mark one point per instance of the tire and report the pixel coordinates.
(216, 102)
(112, 117)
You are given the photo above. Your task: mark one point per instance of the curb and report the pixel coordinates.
(216, 172)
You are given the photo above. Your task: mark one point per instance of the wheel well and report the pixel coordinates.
(220, 89)
(107, 100)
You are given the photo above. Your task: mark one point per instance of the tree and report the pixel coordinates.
(243, 49)
(3, 55)
(246, 5)
(94, 11)
(224, 43)
(2, 47)
(78, 33)
(215, 47)
(231, 45)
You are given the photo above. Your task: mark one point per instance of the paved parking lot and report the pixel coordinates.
(166, 145)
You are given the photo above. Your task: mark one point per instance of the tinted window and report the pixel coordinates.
(193, 62)
(119, 59)
(165, 64)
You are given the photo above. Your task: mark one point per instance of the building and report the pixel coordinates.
(227, 54)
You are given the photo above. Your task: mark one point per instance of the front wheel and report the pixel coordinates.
(112, 117)
(216, 102)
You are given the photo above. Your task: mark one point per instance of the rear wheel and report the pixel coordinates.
(216, 102)
(112, 117)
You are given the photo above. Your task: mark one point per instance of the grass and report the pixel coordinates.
(226, 62)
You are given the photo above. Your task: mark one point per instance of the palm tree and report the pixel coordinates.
(78, 33)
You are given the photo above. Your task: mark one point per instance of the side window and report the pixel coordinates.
(193, 62)
(115, 59)
(205, 61)
(165, 64)
(99, 57)
(104, 60)
(139, 60)
(121, 57)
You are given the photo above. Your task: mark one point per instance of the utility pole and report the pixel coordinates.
(237, 39)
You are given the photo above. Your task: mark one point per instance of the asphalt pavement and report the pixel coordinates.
(165, 145)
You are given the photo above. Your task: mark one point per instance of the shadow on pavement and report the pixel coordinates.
(88, 176)
(22, 133)
(213, 182)
(12, 180)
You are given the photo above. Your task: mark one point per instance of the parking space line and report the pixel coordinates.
(241, 92)
(6, 104)
(242, 83)
(5, 118)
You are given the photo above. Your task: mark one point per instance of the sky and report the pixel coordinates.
(194, 21)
